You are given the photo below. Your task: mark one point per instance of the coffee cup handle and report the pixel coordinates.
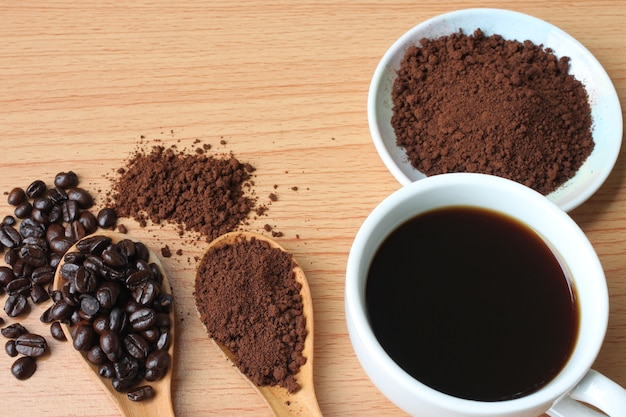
(596, 390)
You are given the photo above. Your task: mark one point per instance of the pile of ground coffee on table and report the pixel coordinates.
(489, 105)
(198, 192)
(250, 302)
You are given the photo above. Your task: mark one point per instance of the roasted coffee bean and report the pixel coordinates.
(15, 305)
(40, 216)
(145, 392)
(56, 331)
(157, 364)
(68, 270)
(93, 245)
(70, 295)
(83, 336)
(56, 215)
(113, 258)
(123, 384)
(30, 344)
(23, 210)
(32, 228)
(75, 258)
(6, 275)
(107, 218)
(19, 286)
(57, 195)
(66, 179)
(126, 368)
(62, 244)
(22, 269)
(38, 294)
(54, 260)
(146, 292)
(118, 320)
(96, 355)
(46, 316)
(163, 302)
(10, 349)
(151, 334)
(127, 248)
(13, 331)
(71, 211)
(34, 256)
(141, 252)
(106, 370)
(44, 204)
(157, 276)
(9, 220)
(11, 256)
(107, 294)
(43, 275)
(89, 221)
(56, 295)
(16, 196)
(24, 367)
(10, 237)
(165, 339)
(111, 345)
(162, 320)
(85, 280)
(61, 310)
(75, 230)
(100, 324)
(81, 196)
(136, 346)
(138, 277)
(36, 189)
(53, 231)
(89, 305)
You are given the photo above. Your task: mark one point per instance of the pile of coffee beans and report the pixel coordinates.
(119, 316)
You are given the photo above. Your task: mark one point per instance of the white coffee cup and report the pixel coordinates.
(564, 396)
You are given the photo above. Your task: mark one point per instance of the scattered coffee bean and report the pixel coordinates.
(15, 305)
(30, 344)
(56, 331)
(66, 180)
(36, 189)
(13, 331)
(24, 367)
(16, 196)
(10, 348)
(141, 393)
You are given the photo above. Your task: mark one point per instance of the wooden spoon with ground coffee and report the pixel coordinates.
(251, 294)
(127, 344)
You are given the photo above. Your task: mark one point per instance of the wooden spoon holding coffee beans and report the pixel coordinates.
(151, 309)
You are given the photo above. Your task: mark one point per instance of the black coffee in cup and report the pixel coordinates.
(472, 303)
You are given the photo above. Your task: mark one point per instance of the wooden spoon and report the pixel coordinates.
(161, 404)
(302, 403)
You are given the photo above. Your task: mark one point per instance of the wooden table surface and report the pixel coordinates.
(284, 84)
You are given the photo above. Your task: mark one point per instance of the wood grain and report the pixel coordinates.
(284, 84)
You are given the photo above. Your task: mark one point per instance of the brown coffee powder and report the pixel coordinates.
(250, 302)
(196, 191)
(485, 104)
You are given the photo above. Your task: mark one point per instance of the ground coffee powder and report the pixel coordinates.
(485, 104)
(250, 302)
(196, 191)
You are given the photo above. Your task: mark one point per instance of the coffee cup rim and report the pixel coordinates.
(374, 359)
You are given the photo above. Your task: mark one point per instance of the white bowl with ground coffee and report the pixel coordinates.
(496, 92)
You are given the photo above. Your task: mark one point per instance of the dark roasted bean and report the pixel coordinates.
(75, 258)
(89, 221)
(100, 324)
(61, 244)
(54, 260)
(126, 368)
(32, 228)
(118, 320)
(30, 344)
(46, 316)
(151, 335)
(70, 210)
(9, 220)
(61, 310)
(43, 275)
(44, 204)
(106, 370)
(56, 331)
(68, 271)
(16, 196)
(145, 392)
(66, 179)
(141, 252)
(107, 218)
(127, 248)
(85, 280)
(70, 295)
(107, 294)
(96, 355)
(81, 196)
(19, 286)
(165, 339)
(163, 302)
(57, 195)
(23, 210)
(111, 345)
(10, 237)
(36, 189)
(54, 230)
(13, 331)
(38, 294)
(6, 275)
(24, 367)
(136, 346)
(56, 215)
(22, 269)
(75, 230)
(113, 258)
(40, 216)
(34, 256)
(157, 364)
(15, 305)
(138, 277)
(84, 337)
(93, 245)
(89, 305)
(146, 292)
(11, 256)
(9, 348)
